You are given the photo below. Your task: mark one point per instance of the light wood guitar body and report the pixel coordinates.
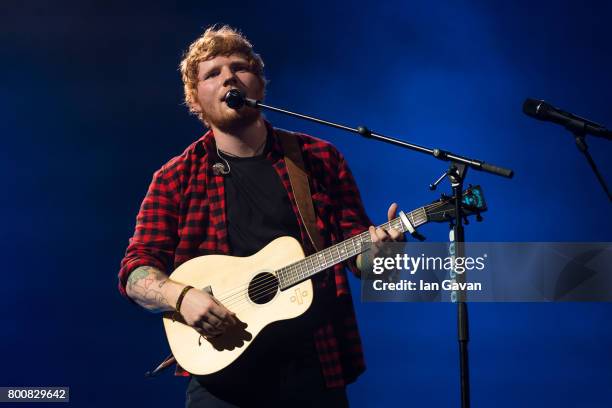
(228, 278)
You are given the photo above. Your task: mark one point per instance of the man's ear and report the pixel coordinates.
(197, 109)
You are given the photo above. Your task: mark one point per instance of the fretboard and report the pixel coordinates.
(315, 263)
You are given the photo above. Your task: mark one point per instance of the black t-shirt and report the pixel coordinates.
(258, 210)
(257, 205)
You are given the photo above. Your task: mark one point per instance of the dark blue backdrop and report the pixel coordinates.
(91, 106)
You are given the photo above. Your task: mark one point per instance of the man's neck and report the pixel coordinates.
(246, 142)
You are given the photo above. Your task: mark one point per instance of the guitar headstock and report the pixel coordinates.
(472, 203)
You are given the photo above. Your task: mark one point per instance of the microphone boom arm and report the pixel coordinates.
(365, 132)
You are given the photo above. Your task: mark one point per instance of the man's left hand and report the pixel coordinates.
(379, 235)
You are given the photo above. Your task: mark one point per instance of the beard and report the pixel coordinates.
(232, 120)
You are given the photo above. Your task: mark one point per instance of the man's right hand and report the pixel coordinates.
(205, 313)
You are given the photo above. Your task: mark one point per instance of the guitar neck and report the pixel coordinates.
(300, 271)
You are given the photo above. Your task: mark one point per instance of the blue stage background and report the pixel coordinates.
(91, 106)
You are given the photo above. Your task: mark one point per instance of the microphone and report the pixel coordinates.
(542, 110)
(235, 99)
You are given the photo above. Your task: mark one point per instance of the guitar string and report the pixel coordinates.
(240, 290)
(268, 285)
(241, 303)
(225, 295)
(265, 283)
(261, 289)
(271, 287)
(275, 274)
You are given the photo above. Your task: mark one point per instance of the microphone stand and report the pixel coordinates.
(456, 173)
(580, 135)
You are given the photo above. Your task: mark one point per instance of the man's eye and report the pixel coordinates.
(211, 74)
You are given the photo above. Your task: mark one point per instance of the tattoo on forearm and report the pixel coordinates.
(144, 291)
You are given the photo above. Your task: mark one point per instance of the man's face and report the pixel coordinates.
(218, 75)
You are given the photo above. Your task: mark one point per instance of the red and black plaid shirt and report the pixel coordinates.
(183, 216)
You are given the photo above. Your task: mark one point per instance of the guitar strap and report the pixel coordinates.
(298, 177)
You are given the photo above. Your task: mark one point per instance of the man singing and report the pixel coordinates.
(229, 193)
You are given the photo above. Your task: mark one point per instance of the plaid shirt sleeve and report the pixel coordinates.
(156, 234)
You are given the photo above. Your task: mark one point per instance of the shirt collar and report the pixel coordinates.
(207, 143)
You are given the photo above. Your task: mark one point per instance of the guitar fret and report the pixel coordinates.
(309, 271)
(289, 278)
(396, 225)
(282, 277)
(279, 275)
(296, 273)
(417, 219)
(424, 214)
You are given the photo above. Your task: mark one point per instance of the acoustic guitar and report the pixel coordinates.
(274, 284)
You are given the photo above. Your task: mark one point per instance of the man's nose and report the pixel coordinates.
(229, 77)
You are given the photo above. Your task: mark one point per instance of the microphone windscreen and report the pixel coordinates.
(531, 107)
(234, 99)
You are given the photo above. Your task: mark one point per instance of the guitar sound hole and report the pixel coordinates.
(263, 288)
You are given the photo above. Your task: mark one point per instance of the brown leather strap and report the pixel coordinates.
(298, 178)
